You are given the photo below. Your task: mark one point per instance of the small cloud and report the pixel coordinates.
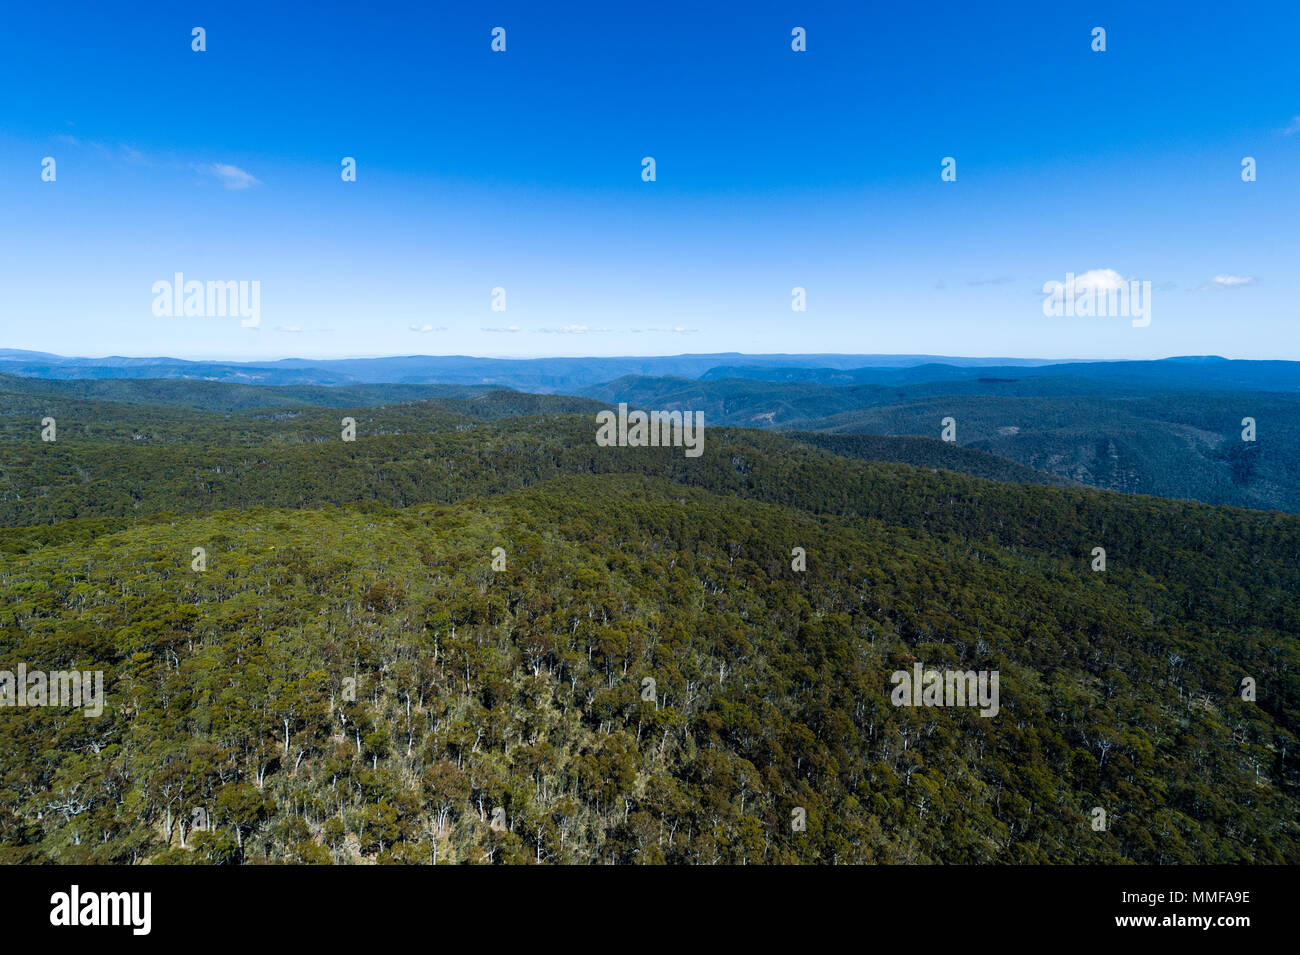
(1227, 281)
(288, 328)
(428, 328)
(678, 330)
(1096, 282)
(1100, 280)
(232, 177)
(1292, 127)
(67, 140)
(509, 329)
(571, 330)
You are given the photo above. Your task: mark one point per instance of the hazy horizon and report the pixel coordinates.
(897, 357)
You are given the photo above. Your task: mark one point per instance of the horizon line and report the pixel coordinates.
(16, 354)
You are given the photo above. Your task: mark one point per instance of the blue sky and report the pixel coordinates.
(775, 169)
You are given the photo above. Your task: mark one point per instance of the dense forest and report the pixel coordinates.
(433, 644)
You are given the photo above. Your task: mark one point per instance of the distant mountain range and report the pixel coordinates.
(526, 374)
(546, 375)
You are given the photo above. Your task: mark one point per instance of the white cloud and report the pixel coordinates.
(1292, 127)
(428, 328)
(1227, 281)
(1100, 280)
(1094, 282)
(677, 330)
(510, 329)
(288, 328)
(571, 330)
(232, 177)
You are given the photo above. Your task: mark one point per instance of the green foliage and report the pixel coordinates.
(521, 689)
(350, 681)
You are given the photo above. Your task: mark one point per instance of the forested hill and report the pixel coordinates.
(347, 678)
(931, 453)
(124, 459)
(476, 401)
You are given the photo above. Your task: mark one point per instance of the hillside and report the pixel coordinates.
(522, 688)
(347, 679)
(1189, 446)
(1121, 436)
(929, 453)
(128, 459)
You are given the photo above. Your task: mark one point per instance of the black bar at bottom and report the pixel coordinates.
(337, 905)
